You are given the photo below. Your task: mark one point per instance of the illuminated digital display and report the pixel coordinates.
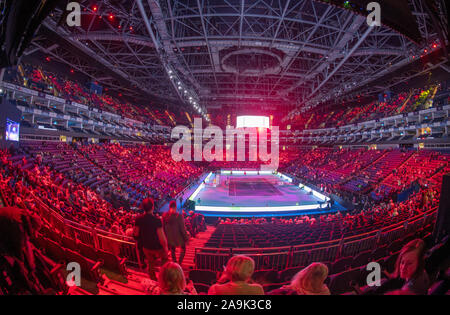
(12, 130)
(252, 122)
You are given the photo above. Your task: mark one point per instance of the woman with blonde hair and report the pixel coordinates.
(309, 281)
(172, 281)
(236, 279)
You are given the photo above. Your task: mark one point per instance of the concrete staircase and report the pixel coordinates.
(136, 278)
(197, 242)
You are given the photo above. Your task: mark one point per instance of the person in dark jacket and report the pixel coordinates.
(175, 231)
(149, 234)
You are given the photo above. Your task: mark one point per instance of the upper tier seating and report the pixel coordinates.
(402, 103)
(54, 84)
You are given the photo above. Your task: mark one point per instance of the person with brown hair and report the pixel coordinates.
(150, 236)
(409, 275)
(175, 231)
(410, 267)
(235, 280)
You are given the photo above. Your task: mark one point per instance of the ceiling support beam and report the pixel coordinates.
(155, 41)
(208, 46)
(165, 46)
(301, 49)
(349, 54)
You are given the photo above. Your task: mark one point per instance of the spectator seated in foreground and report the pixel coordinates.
(309, 281)
(236, 278)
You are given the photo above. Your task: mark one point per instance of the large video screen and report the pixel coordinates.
(252, 122)
(12, 130)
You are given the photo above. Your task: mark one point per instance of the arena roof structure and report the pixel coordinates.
(210, 53)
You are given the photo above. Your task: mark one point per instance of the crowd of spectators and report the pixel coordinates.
(414, 100)
(101, 207)
(71, 89)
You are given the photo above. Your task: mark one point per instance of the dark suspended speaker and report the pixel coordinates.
(19, 21)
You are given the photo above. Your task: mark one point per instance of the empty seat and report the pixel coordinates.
(341, 264)
(390, 261)
(395, 246)
(89, 268)
(69, 243)
(287, 274)
(361, 259)
(201, 288)
(265, 276)
(87, 251)
(202, 276)
(55, 251)
(341, 282)
(112, 262)
(378, 253)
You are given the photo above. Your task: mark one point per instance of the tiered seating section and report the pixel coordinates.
(260, 233)
(406, 102)
(95, 185)
(71, 181)
(54, 84)
(350, 173)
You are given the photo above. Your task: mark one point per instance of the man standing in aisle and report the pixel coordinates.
(175, 230)
(150, 235)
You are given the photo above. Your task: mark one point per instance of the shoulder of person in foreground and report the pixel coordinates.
(256, 289)
(283, 291)
(212, 289)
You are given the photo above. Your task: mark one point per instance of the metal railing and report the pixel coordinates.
(265, 258)
(279, 258)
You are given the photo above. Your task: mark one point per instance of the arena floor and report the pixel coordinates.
(253, 195)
